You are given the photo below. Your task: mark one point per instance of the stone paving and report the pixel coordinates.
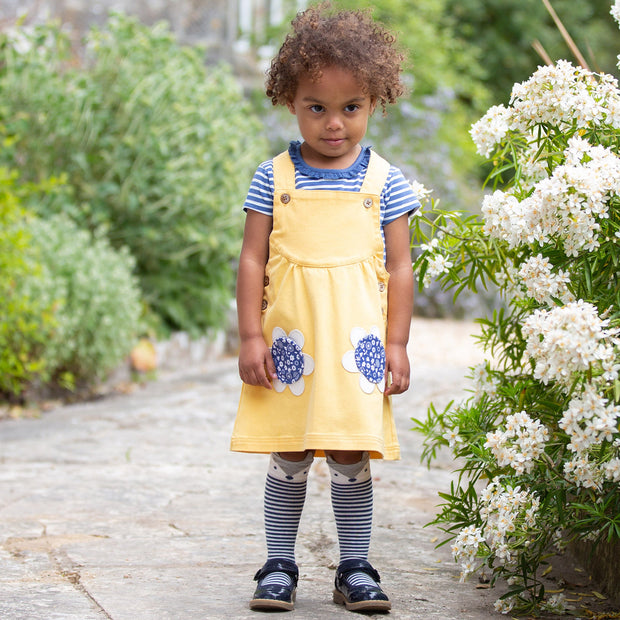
(133, 508)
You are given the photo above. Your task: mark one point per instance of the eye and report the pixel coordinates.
(352, 107)
(316, 108)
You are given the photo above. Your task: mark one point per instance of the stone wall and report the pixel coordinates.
(224, 27)
(230, 30)
(602, 562)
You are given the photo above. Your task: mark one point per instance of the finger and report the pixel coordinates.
(263, 379)
(399, 384)
(255, 377)
(391, 389)
(270, 365)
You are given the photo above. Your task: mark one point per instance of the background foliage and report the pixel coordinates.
(24, 320)
(94, 296)
(156, 149)
(69, 303)
(500, 33)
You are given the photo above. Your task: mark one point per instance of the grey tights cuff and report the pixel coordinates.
(356, 472)
(294, 471)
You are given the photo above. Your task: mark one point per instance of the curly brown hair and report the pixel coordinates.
(349, 39)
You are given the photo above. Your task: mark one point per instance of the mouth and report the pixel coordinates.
(333, 141)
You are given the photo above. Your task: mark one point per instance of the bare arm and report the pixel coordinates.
(256, 365)
(400, 304)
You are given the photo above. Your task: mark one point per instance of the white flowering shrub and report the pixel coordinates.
(537, 437)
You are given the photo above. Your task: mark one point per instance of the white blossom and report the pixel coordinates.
(583, 472)
(504, 605)
(568, 205)
(452, 437)
(615, 11)
(520, 443)
(465, 549)
(589, 420)
(541, 284)
(436, 263)
(562, 94)
(612, 470)
(484, 382)
(567, 340)
(557, 604)
(490, 129)
(420, 192)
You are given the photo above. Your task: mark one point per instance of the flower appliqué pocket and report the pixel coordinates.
(290, 360)
(366, 358)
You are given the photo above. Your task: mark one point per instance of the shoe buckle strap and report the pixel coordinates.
(278, 566)
(362, 566)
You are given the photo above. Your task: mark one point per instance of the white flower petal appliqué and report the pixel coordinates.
(357, 333)
(298, 387)
(348, 361)
(278, 332)
(367, 386)
(278, 386)
(308, 364)
(298, 337)
(367, 358)
(290, 361)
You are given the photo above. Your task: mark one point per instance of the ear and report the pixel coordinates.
(291, 107)
(373, 105)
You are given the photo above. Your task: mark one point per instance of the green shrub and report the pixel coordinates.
(96, 301)
(158, 151)
(23, 319)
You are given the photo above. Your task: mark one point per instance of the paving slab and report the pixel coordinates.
(133, 508)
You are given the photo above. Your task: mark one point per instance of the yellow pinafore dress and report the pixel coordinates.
(324, 316)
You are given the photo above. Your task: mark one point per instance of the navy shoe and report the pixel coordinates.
(359, 597)
(273, 596)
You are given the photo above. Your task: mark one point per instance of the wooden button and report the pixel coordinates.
(285, 199)
(264, 304)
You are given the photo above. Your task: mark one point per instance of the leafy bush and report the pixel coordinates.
(538, 438)
(502, 33)
(24, 319)
(69, 304)
(95, 296)
(158, 151)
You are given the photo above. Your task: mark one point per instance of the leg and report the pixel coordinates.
(285, 494)
(352, 500)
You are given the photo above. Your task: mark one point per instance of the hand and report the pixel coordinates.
(396, 367)
(256, 365)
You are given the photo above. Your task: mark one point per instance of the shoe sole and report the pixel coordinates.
(272, 604)
(340, 599)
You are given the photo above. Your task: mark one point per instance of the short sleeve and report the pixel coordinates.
(260, 194)
(398, 197)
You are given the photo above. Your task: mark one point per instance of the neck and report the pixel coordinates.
(335, 163)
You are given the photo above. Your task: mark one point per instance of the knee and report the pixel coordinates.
(295, 457)
(345, 457)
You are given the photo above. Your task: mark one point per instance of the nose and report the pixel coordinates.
(334, 122)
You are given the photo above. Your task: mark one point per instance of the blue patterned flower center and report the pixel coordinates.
(289, 360)
(370, 358)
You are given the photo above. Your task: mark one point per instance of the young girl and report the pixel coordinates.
(325, 294)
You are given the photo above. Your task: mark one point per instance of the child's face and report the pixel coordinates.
(332, 114)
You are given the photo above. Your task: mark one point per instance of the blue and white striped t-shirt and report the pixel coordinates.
(397, 197)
